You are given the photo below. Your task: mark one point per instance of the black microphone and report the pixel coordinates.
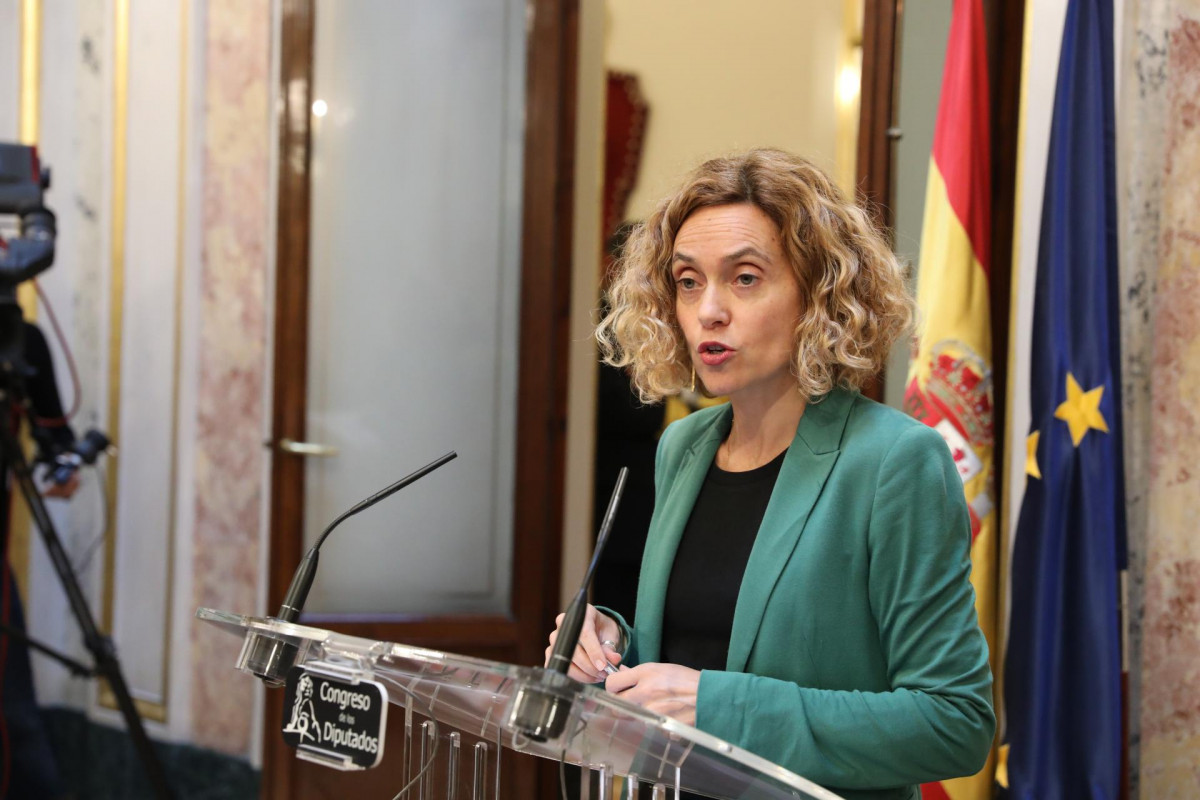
(540, 710)
(302, 581)
(272, 658)
(572, 624)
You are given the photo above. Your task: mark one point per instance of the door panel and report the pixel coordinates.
(421, 305)
(414, 269)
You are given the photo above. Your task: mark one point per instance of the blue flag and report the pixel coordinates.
(1063, 667)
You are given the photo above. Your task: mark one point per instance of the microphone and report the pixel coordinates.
(271, 658)
(302, 580)
(540, 710)
(572, 624)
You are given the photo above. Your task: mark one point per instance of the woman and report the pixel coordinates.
(804, 592)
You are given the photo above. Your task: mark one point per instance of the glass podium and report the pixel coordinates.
(459, 713)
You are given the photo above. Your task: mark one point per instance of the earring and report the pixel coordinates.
(693, 378)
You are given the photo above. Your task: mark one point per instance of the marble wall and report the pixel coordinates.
(229, 457)
(1169, 713)
(1143, 67)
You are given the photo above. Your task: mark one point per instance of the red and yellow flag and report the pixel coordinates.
(950, 381)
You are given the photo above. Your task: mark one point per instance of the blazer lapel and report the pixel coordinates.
(672, 516)
(806, 466)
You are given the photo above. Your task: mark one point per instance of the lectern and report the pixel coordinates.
(459, 713)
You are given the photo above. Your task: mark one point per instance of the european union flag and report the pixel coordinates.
(1063, 670)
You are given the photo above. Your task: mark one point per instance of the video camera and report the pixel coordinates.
(22, 184)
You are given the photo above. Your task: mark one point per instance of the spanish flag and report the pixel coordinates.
(950, 381)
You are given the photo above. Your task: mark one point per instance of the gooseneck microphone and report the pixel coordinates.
(271, 656)
(540, 710)
(572, 624)
(302, 581)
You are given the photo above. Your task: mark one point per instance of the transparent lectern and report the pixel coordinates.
(470, 708)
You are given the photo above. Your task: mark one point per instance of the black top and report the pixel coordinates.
(710, 562)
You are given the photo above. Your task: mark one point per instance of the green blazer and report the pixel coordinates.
(856, 658)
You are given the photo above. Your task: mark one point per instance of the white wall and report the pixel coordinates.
(10, 46)
(587, 246)
(116, 289)
(725, 75)
(924, 29)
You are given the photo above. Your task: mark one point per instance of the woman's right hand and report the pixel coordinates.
(597, 651)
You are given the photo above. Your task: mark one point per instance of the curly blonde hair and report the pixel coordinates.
(854, 297)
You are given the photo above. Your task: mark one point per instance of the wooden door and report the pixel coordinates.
(513, 628)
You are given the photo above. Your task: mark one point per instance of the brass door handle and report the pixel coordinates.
(306, 448)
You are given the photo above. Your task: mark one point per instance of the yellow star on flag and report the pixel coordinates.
(1031, 465)
(1081, 410)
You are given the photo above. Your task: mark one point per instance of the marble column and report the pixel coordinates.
(1143, 104)
(1168, 712)
(232, 363)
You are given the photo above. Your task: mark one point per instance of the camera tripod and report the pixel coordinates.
(104, 655)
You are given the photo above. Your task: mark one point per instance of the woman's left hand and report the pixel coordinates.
(666, 689)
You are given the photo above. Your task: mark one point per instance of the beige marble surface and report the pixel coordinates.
(1141, 119)
(229, 452)
(1170, 669)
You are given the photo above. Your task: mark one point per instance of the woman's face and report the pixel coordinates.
(737, 301)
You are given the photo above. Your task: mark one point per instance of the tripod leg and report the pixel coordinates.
(100, 646)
